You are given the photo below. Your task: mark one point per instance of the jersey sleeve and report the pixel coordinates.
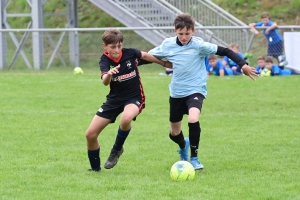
(275, 70)
(270, 23)
(226, 59)
(258, 24)
(137, 53)
(104, 65)
(206, 48)
(158, 51)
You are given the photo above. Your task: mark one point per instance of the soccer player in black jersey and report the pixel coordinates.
(126, 96)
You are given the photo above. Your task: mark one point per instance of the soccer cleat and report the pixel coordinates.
(184, 153)
(95, 170)
(196, 163)
(113, 158)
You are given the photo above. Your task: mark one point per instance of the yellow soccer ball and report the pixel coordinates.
(77, 70)
(182, 170)
(265, 73)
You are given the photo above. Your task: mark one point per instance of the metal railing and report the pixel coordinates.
(90, 49)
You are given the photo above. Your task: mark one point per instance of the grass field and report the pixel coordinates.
(249, 144)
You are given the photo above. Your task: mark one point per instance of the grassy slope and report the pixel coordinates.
(284, 12)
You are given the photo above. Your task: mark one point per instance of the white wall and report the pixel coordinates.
(292, 49)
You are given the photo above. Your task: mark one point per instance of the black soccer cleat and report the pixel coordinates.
(113, 158)
(95, 170)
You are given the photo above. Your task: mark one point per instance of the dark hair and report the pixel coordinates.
(265, 15)
(112, 36)
(184, 21)
(269, 59)
(212, 57)
(261, 58)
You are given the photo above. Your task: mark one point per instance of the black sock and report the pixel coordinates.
(94, 159)
(194, 136)
(179, 139)
(120, 139)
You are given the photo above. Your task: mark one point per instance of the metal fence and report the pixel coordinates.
(19, 55)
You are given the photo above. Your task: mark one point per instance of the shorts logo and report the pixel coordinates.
(100, 110)
(196, 98)
(138, 103)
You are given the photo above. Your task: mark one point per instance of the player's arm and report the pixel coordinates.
(247, 70)
(252, 26)
(221, 72)
(150, 58)
(106, 77)
(273, 26)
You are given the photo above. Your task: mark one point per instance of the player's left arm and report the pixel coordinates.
(150, 58)
(273, 26)
(247, 70)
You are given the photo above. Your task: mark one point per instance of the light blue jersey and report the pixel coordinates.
(189, 70)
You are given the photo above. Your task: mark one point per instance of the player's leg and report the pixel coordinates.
(177, 110)
(131, 110)
(194, 104)
(97, 125)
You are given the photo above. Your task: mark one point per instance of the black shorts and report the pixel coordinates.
(112, 108)
(181, 106)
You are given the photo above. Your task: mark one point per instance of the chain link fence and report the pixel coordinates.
(56, 48)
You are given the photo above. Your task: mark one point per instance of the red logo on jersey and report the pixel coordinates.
(127, 76)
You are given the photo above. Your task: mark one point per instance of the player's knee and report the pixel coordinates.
(126, 120)
(193, 119)
(90, 135)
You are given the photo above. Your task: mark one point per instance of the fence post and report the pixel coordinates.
(37, 17)
(73, 35)
(3, 53)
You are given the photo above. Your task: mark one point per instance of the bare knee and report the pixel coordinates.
(125, 123)
(91, 135)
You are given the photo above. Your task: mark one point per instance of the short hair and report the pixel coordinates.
(232, 45)
(261, 58)
(184, 21)
(269, 59)
(265, 15)
(212, 57)
(112, 36)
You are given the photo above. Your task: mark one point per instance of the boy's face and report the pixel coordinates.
(235, 49)
(184, 35)
(113, 50)
(265, 21)
(269, 65)
(261, 63)
(213, 62)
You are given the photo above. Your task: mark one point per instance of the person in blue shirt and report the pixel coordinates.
(188, 83)
(276, 70)
(231, 64)
(216, 67)
(261, 64)
(275, 45)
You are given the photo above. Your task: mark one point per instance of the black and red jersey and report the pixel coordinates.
(127, 83)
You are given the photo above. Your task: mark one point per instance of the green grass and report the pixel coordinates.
(249, 143)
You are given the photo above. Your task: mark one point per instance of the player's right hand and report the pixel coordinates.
(114, 70)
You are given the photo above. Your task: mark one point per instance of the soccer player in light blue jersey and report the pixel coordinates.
(188, 85)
